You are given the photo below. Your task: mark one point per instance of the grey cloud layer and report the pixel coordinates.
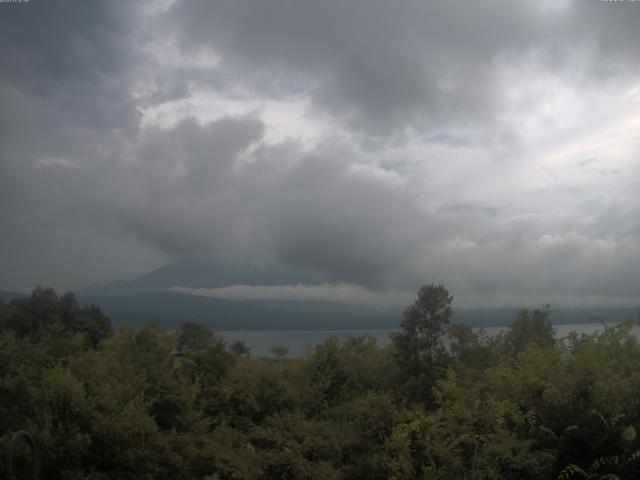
(87, 192)
(195, 191)
(384, 65)
(75, 55)
(202, 191)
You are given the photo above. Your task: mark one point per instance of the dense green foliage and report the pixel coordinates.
(440, 402)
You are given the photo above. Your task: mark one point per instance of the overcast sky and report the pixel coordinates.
(490, 146)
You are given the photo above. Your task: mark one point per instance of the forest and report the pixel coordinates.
(442, 401)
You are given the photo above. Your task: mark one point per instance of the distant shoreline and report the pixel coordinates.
(300, 341)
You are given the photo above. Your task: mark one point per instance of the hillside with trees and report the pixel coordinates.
(442, 401)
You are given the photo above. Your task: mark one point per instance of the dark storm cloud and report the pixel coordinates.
(384, 65)
(65, 74)
(75, 54)
(349, 226)
(179, 192)
(200, 191)
(378, 64)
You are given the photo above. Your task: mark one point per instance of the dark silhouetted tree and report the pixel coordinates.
(240, 348)
(44, 313)
(419, 347)
(280, 351)
(531, 327)
(193, 336)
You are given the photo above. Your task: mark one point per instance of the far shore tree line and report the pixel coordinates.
(441, 401)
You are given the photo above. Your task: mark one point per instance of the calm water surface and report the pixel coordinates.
(300, 341)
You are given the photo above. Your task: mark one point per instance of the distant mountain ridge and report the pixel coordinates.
(170, 309)
(201, 274)
(146, 298)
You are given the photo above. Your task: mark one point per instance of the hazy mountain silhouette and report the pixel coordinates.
(170, 309)
(145, 298)
(201, 274)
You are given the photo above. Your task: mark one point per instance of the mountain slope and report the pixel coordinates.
(171, 309)
(200, 274)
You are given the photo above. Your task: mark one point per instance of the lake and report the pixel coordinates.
(299, 341)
